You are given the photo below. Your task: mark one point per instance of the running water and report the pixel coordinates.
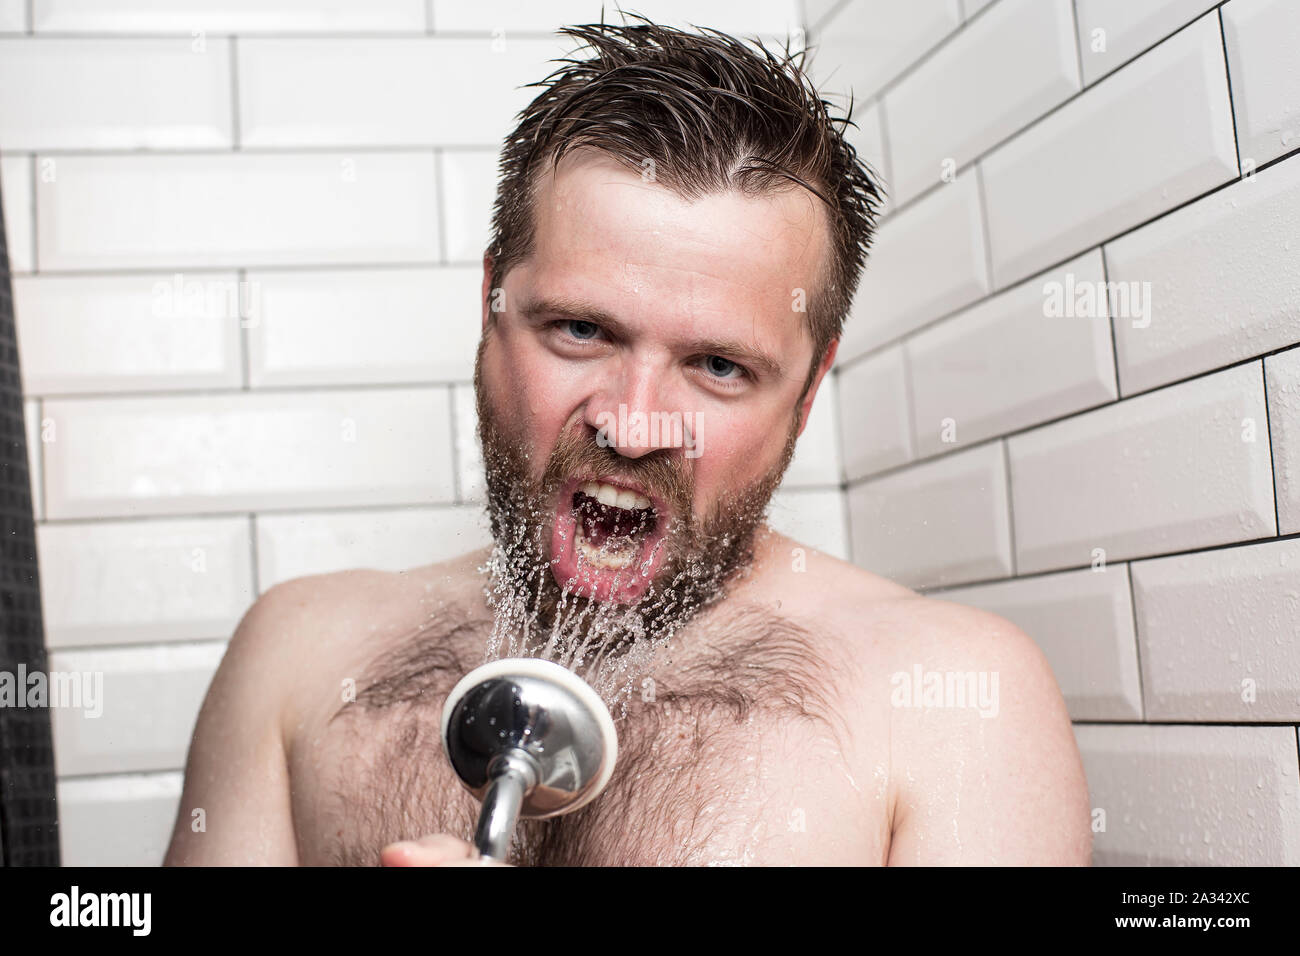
(612, 646)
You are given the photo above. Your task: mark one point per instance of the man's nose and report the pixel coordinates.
(633, 412)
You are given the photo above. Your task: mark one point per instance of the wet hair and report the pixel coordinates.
(706, 112)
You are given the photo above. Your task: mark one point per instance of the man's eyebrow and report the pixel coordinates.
(740, 352)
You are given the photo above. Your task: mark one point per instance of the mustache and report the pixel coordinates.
(661, 473)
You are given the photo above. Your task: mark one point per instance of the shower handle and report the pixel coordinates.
(513, 775)
(529, 739)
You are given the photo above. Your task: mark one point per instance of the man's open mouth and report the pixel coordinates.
(607, 540)
(611, 523)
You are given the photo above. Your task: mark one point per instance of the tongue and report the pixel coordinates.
(601, 521)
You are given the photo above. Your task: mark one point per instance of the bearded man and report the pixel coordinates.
(678, 233)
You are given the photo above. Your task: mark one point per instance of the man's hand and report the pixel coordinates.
(441, 849)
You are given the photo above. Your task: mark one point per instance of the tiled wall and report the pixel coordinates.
(1120, 481)
(247, 240)
(246, 234)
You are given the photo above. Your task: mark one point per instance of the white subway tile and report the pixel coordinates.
(1207, 310)
(469, 188)
(236, 209)
(13, 16)
(730, 16)
(1180, 468)
(114, 94)
(291, 546)
(875, 433)
(926, 261)
(1283, 374)
(867, 138)
(32, 421)
(337, 92)
(118, 820)
(996, 76)
(138, 582)
(1193, 796)
(244, 451)
(816, 11)
(127, 333)
(936, 523)
(867, 43)
(469, 456)
(1158, 133)
(1262, 37)
(150, 699)
(1218, 633)
(1005, 363)
(19, 211)
(1083, 623)
(355, 326)
(816, 458)
(1127, 28)
(229, 16)
(811, 517)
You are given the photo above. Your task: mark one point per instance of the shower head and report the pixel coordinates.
(528, 738)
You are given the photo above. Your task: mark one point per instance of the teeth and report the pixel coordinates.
(618, 497)
(616, 560)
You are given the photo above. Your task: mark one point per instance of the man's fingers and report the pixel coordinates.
(438, 849)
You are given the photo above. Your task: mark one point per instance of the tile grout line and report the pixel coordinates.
(1137, 640)
(1272, 464)
(1011, 514)
(909, 399)
(985, 232)
(886, 148)
(1078, 42)
(440, 199)
(236, 121)
(253, 564)
(241, 278)
(36, 263)
(1140, 559)
(40, 455)
(452, 408)
(1111, 319)
(1227, 75)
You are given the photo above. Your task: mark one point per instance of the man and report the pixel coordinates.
(679, 230)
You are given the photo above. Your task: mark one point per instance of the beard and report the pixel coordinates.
(540, 613)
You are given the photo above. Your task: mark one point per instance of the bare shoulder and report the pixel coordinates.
(980, 736)
(966, 710)
(305, 632)
(882, 623)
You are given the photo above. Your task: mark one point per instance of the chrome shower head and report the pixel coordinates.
(528, 738)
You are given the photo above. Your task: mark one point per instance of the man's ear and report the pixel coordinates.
(486, 295)
(823, 367)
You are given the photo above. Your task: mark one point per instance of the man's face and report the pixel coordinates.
(640, 380)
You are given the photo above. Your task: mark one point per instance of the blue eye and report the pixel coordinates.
(583, 330)
(721, 367)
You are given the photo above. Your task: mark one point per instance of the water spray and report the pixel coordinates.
(530, 739)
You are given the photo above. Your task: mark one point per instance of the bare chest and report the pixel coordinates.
(729, 758)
